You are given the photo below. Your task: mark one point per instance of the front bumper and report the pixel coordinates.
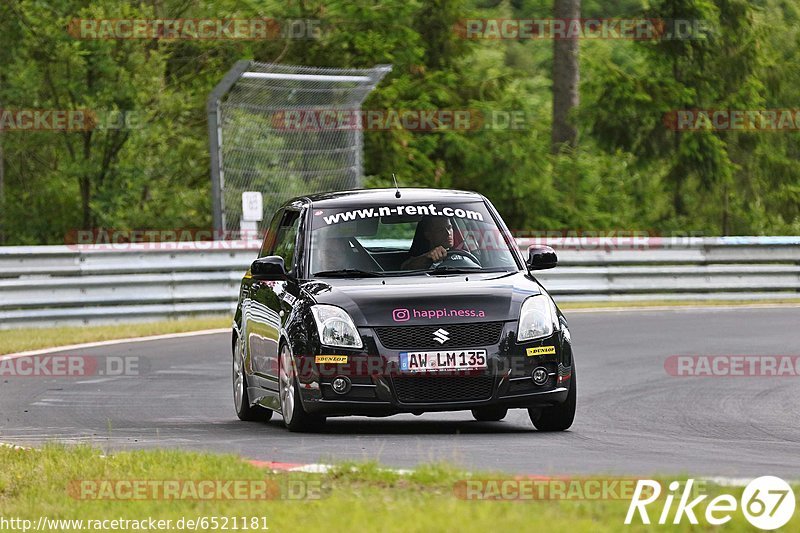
(379, 388)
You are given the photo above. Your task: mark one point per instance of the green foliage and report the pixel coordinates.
(630, 171)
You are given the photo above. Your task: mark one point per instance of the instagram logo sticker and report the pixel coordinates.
(400, 315)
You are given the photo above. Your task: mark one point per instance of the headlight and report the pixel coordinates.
(335, 327)
(537, 318)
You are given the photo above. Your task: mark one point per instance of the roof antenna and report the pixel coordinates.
(397, 194)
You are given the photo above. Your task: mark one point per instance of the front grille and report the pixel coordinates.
(461, 336)
(432, 389)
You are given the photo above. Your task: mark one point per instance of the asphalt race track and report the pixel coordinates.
(633, 417)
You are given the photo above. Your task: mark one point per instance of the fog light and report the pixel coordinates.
(539, 375)
(341, 385)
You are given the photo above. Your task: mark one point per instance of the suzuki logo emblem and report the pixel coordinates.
(441, 336)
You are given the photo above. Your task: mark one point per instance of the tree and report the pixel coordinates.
(566, 77)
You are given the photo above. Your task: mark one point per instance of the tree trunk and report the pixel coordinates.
(2, 193)
(3, 214)
(86, 196)
(566, 76)
(726, 222)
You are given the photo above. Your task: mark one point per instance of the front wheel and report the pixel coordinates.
(241, 400)
(295, 417)
(559, 417)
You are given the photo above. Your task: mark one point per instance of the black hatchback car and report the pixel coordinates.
(385, 301)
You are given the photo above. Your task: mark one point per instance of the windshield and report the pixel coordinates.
(433, 238)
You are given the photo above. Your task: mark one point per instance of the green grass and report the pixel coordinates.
(353, 497)
(20, 340)
(673, 303)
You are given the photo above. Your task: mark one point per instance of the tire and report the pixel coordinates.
(241, 400)
(489, 414)
(295, 418)
(559, 417)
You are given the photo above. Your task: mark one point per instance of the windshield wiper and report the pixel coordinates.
(443, 269)
(347, 273)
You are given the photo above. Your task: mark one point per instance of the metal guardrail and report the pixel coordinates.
(65, 285)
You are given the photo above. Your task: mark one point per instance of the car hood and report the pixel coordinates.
(421, 300)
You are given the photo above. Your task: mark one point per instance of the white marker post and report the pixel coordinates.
(252, 213)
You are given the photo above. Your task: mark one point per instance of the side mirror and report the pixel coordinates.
(541, 258)
(268, 268)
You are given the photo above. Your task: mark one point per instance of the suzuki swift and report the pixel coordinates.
(385, 301)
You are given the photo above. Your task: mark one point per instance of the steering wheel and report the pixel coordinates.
(458, 255)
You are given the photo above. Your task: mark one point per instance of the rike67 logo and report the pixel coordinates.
(767, 502)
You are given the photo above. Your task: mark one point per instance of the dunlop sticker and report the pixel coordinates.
(540, 350)
(336, 359)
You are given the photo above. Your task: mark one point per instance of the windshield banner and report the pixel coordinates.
(399, 210)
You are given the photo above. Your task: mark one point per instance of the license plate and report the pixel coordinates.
(446, 360)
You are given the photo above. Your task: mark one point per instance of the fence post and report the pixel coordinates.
(215, 143)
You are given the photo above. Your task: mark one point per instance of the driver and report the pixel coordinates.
(438, 232)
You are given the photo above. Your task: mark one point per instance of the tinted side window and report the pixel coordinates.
(286, 238)
(269, 239)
